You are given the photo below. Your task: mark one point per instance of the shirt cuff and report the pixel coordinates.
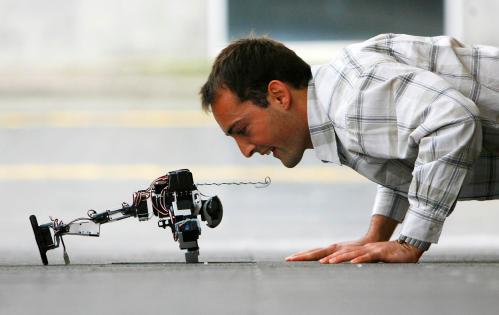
(421, 227)
(390, 204)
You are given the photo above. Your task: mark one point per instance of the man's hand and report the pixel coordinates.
(319, 253)
(380, 229)
(392, 252)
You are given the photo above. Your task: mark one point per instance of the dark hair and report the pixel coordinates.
(246, 67)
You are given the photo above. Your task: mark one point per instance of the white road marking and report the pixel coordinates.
(202, 173)
(92, 119)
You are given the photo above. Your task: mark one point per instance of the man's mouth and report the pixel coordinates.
(269, 150)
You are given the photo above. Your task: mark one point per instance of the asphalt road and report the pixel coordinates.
(251, 288)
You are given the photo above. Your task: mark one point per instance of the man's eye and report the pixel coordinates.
(241, 131)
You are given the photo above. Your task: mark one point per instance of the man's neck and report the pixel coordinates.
(300, 99)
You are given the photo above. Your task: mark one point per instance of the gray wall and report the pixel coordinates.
(90, 31)
(473, 21)
(95, 33)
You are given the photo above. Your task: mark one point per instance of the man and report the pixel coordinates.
(417, 115)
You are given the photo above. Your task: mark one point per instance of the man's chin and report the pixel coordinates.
(290, 163)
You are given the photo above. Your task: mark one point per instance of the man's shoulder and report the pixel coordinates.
(403, 47)
(390, 39)
(357, 58)
(394, 48)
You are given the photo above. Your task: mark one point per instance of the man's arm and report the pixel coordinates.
(380, 229)
(448, 137)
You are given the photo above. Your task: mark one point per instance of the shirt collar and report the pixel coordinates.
(321, 127)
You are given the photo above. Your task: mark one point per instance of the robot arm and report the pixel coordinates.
(174, 200)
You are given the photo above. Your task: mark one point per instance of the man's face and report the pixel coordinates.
(272, 130)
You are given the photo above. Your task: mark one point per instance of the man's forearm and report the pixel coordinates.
(380, 229)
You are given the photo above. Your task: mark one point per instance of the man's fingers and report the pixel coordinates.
(336, 253)
(309, 255)
(304, 252)
(341, 251)
(346, 256)
(313, 254)
(366, 258)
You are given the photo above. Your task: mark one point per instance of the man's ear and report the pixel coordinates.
(279, 94)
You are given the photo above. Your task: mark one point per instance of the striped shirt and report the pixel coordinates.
(417, 115)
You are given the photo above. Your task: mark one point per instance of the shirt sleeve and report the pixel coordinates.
(390, 204)
(448, 143)
(430, 123)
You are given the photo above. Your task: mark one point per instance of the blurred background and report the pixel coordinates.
(98, 98)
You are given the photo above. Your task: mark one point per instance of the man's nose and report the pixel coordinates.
(247, 149)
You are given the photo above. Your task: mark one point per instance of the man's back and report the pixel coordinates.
(472, 70)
